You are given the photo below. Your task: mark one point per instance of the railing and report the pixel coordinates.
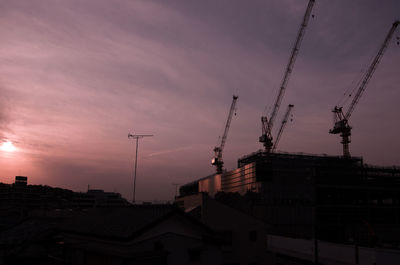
(302, 154)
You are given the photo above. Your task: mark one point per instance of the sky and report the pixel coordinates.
(77, 76)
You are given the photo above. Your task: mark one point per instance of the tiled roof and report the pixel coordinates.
(116, 222)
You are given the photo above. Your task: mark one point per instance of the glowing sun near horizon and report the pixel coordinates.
(7, 146)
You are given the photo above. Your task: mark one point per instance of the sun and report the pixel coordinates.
(7, 147)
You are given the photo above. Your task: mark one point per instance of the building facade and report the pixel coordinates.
(334, 198)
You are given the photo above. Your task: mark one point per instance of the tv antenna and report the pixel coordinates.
(137, 137)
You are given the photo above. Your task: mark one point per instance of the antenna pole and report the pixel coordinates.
(134, 179)
(136, 136)
(176, 189)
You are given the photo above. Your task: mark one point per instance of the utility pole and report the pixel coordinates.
(176, 189)
(137, 137)
(315, 219)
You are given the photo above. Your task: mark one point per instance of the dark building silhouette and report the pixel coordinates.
(139, 234)
(98, 198)
(28, 197)
(21, 181)
(24, 198)
(335, 198)
(242, 235)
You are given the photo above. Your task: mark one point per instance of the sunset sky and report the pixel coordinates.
(77, 76)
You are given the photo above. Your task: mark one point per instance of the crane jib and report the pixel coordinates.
(292, 60)
(266, 137)
(341, 124)
(371, 70)
(217, 159)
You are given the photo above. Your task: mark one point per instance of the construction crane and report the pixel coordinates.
(283, 124)
(217, 160)
(341, 120)
(267, 124)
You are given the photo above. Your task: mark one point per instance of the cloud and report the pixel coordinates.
(78, 76)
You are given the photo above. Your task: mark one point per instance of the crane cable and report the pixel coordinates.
(355, 84)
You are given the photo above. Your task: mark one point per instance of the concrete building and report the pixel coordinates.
(331, 197)
(98, 198)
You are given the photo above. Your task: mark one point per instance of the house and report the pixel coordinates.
(242, 235)
(141, 234)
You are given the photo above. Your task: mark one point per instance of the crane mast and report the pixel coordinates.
(341, 124)
(267, 124)
(283, 124)
(217, 160)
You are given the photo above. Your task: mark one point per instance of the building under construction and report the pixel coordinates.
(337, 198)
(334, 198)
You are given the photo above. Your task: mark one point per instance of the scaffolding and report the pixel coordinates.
(342, 198)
